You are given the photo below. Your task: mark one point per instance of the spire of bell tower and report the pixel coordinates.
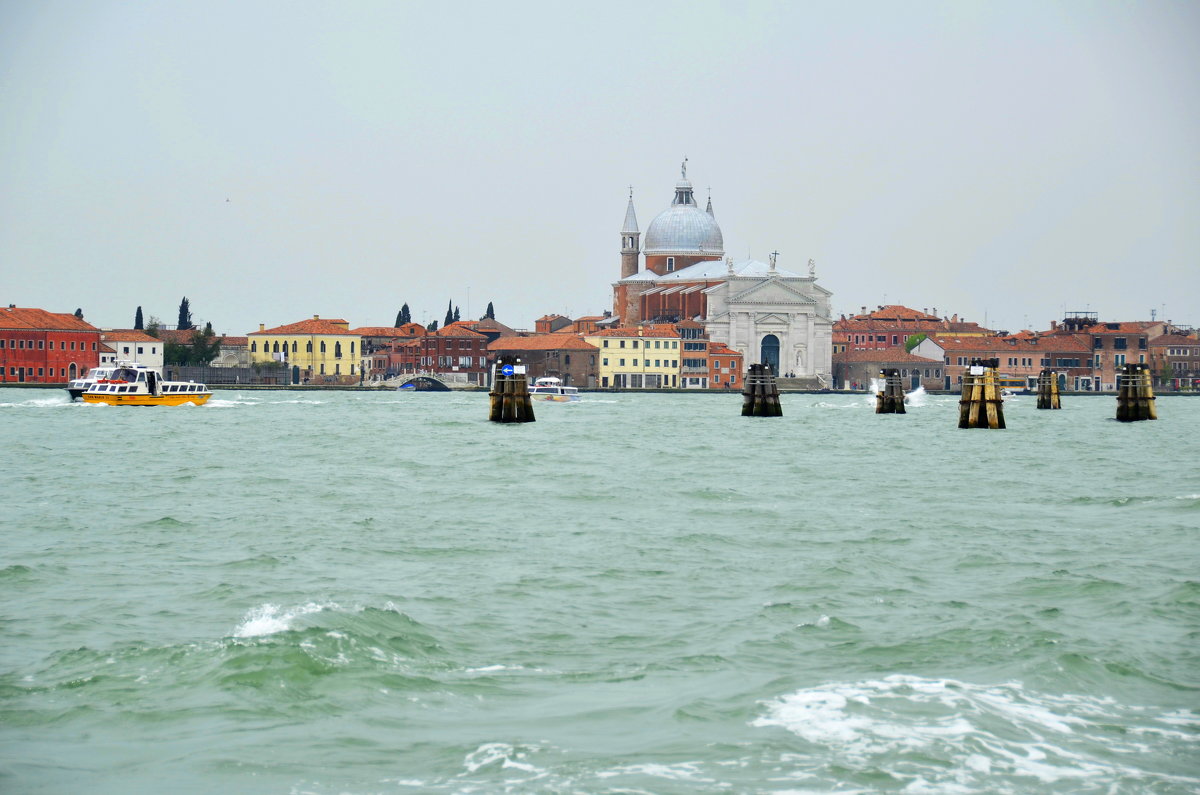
(709, 208)
(630, 240)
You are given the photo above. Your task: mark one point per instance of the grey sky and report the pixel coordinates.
(1014, 159)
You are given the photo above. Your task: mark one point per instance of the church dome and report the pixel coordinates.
(683, 228)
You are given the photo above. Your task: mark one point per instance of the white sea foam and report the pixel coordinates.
(916, 398)
(979, 733)
(506, 755)
(267, 619)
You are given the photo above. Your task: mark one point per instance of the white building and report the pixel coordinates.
(135, 346)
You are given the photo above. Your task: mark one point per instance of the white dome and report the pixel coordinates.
(683, 228)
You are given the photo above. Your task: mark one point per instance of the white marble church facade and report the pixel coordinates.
(774, 316)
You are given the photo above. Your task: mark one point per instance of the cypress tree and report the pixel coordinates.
(79, 313)
(457, 316)
(407, 314)
(490, 314)
(432, 326)
(137, 320)
(449, 313)
(185, 315)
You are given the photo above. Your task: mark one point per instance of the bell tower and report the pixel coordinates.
(630, 241)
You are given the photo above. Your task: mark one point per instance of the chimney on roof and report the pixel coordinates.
(1053, 325)
(954, 318)
(881, 307)
(864, 310)
(262, 326)
(316, 317)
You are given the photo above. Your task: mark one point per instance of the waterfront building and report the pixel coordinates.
(314, 350)
(133, 345)
(893, 325)
(378, 345)
(765, 313)
(565, 356)
(725, 366)
(646, 357)
(455, 352)
(1175, 359)
(1110, 345)
(1021, 356)
(37, 346)
(855, 368)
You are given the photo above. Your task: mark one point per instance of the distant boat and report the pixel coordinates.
(551, 388)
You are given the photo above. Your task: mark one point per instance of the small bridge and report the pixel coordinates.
(423, 382)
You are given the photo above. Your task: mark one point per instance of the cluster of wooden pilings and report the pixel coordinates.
(760, 395)
(510, 401)
(1047, 390)
(981, 405)
(1135, 394)
(890, 398)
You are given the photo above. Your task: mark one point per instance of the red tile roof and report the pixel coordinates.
(310, 326)
(542, 342)
(32, 318)
(127, 335)
(662, 330)
(407, 330)
(457, 329)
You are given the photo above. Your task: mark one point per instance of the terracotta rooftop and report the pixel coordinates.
(457, 329)
(15, 317)
(1164, 340)
(663, 330)
(896, 312)
(127, 335)
(407, 330)
(310, 326)
(542, 342)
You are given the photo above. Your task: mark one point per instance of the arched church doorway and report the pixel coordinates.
(73, 372)
(770, 352)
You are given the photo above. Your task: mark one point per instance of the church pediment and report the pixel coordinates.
(771, 291)
(771, 319)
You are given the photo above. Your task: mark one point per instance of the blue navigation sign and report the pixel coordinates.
(507, 369)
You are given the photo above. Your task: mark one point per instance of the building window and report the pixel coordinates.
(620, 362)
(254, 347)
(567, 359)
(604, 361)
(605, 343)
(1120, 343)
(622, 345)
(337, 350)
(635, 343)
(322, 348)
(670, 264)
(40, 344)
(139, 349)
(308, 347)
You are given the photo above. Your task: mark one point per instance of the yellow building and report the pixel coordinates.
(646, 357)
(315, 351)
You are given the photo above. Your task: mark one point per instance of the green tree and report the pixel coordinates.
(449, 313)
(79, 313)
(432, 326)
(399, 319)
(405, 315)
(457, 316)
(490, 314)
(185, 315)
(152, 327)
(137, 319)
(914, 341)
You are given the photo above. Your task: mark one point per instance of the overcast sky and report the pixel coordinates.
(275, 160)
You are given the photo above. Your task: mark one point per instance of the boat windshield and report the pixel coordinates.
(127, 374)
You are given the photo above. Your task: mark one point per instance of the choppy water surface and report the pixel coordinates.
(378, 593)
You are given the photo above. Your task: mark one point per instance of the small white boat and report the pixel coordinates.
(141, 386)
(104, 372)
(551, 388)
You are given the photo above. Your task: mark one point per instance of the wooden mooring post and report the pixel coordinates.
(1135, 394)
(510, 401)
(760, 395)
(981, 405)
(1047, 390)
(890, 398)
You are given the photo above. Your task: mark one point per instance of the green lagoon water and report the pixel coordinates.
(290, 592)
